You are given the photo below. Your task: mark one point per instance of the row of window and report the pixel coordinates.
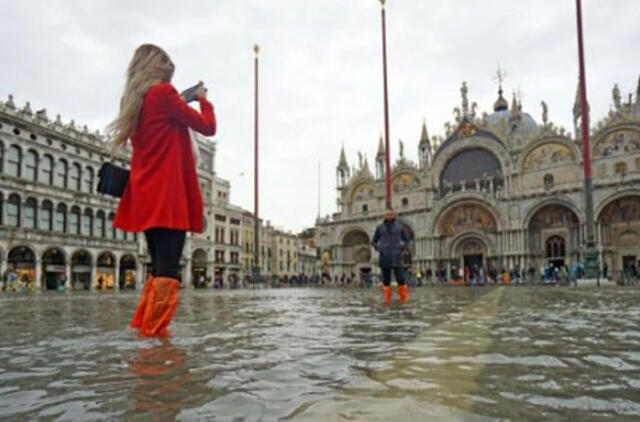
(61, 219)
(45, 169)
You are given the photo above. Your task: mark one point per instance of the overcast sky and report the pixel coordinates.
(321, 76)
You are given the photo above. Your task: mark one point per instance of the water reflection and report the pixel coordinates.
(514, 353)
(162, 382)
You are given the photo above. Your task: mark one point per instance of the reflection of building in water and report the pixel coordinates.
(497, 189)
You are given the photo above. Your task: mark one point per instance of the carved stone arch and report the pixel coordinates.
(461, 238)
(542, 141)
(464, 217)
(606, 201)
(446, 154)
(609, 133)
(49, 248)
(366, 184)
(404, 179)
(352, 229)
(552, 201)
(471, 198)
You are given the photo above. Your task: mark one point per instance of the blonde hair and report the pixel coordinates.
(149, 65)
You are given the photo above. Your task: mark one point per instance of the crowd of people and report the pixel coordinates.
(13, 282)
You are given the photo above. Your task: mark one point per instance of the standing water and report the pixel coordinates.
(517, 353)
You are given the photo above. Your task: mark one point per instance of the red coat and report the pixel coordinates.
(163, 188)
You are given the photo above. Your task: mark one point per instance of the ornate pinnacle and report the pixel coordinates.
(424, 136)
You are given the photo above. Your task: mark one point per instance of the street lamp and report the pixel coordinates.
(387, 167)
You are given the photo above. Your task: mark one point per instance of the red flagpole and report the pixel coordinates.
(583, 97)
(591, 264)
(387, 165)
(256, 235)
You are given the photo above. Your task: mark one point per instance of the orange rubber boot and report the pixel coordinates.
(403, 293)
(386, 294)
(161, 305)
(136, 321)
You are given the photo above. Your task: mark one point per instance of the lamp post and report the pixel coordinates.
(591, 265)
(256, 234)
(387, 165)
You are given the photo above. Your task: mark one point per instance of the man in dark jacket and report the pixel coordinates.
(389, 240)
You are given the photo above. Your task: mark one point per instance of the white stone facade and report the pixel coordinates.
(498, 190)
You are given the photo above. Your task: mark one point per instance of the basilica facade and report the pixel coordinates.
(498, 190)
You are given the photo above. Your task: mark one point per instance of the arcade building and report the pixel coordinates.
(55, 231)
(498, 190)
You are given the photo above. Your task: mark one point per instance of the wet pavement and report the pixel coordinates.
(451, 353)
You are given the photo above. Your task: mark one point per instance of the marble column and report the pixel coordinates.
(188, 280)
(116, 274)
(67, 275)
(39, 282)
(92, 276)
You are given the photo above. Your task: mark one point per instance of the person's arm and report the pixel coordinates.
(203, 122)
(376, 238)
(404, 237)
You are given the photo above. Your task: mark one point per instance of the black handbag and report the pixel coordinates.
(112, 179)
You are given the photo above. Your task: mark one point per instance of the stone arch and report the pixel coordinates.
(464, 216)
(199, 266)
(552, 220)
(81, 265)
(362, 191)
(548, 153)
(444, 155)
(552, 201)
(606, 201)
(405, 179)
(54, 261)
(128, 267)
(105, 277)
(477, 236)
(21, 259)
(617, 140)
(353, 241)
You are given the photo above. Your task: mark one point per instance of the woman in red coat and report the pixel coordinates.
(162, 198)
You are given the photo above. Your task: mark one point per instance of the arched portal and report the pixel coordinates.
(619, 224)
(22, 262)
(462, 228)
(81, 270)
(127, 276)
(472, 255)
(558, 227)
(356, 251)
(105, 271)
(199, 268)
(53, 269)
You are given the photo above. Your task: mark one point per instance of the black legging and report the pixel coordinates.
(165, 248)
(386, 275)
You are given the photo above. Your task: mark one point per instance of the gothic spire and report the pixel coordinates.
(424, 136)
(343, 159)
(380, 147)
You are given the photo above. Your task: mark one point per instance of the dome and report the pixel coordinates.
(526, 125)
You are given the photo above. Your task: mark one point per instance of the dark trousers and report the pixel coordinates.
(165, 247)
(386, 275)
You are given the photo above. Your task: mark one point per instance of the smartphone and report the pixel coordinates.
(189, 94)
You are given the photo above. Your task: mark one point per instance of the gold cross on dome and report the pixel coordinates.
(500, 75)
